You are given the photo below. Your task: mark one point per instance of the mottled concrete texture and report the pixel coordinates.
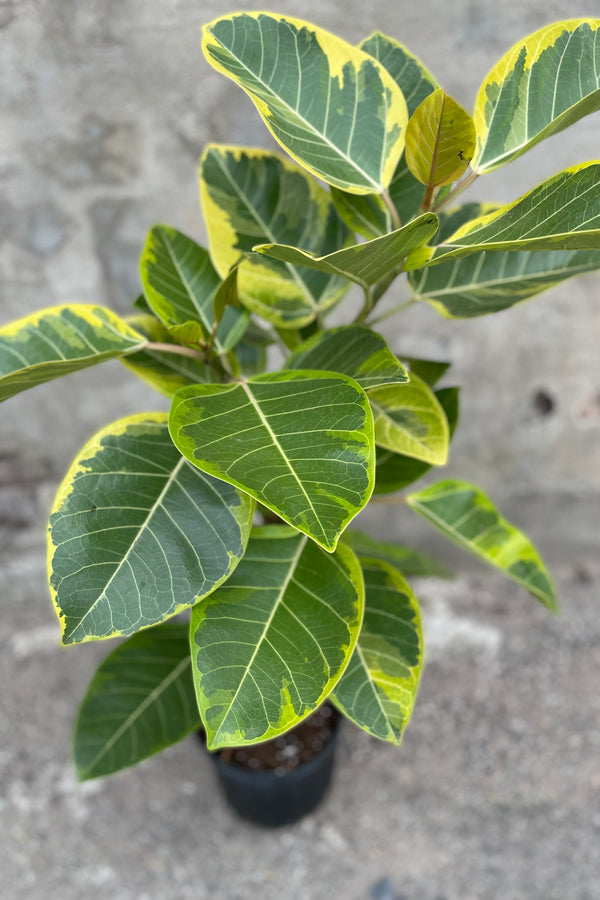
(495, 794)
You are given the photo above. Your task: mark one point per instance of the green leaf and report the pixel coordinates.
(140, 700)
(440, 140)
(366, 263)
(60, 340)
(393, 471)
(407, 561)
(365, 214)
(253, 196)
(453, 219)
(331, 106)
(544, 83)
(165, 372)
(269, 646)
(563, 213)
(416, 83)
(485, 283)
(136, 534)
(409, 419)
(428, 370)
(378, 689)
(352, 350)
(301, 443)
(464, 514)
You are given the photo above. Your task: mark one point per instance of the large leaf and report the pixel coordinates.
(440, 140)
(252, 196)
(543, 84)
(164, 371)
(366, 263)
(331, 106)
(379, 688)
(270, 645)
(409, 419)
(464, 514)
(301, 443)
(416, 83)
(140, 700)
(352, 350)
(407, 561)
(489, 282)
(563, 213)
(393, 471)
(58, 341)
(137, 534)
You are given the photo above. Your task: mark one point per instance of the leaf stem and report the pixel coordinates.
(385, 196)
(468, 180)
(367, 307)
(391, 312)
(174, 348)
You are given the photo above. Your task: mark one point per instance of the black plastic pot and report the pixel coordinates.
(275, 798)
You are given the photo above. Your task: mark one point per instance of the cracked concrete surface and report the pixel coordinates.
(495, 794)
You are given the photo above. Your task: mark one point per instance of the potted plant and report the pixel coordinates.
(236, 505)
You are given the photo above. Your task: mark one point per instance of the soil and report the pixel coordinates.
(288, 751)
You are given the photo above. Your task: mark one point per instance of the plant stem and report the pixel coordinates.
(367, 307)
(174, 348)
(385, 196)
(391, 312)
(456, 190)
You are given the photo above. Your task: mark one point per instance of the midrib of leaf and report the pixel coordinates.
(259, 220)
(153, 696)
(373, 685)
(171, 479)
(200, 311)
(280, 595)
(273, 436)
(308, 125)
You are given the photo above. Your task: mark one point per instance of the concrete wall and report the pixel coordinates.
(106, 109)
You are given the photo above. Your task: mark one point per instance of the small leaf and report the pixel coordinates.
(165, 372)
(140, 700)
(440, 140)
(544, 83)
(410, 420)
(269, 646)
(136, 534)
(331, 106)
(563, 213)
(365, 214)
(407, 561)
(464, 514)
(366, 263)
(378, 689)
(485, 283)
(393, 471)
(352, 350)
(60, 340)
(428, 370)
(301, 443)
(251, 196)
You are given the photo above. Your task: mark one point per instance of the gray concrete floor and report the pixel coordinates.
(494, 795)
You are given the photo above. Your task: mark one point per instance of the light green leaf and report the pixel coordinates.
(464, 514)
(60, 340)
(165, 372)
(331, 106)
(393, 471)
(440, 140)
(301, 443)
(140, 700)
(136, 534)
(366, 263)
(365, 214)
(544, 83)
(407, 561)
(352, 350)
(563, 213)
(416, 83)
(378, 689)
(269, 646)
(489, 282)
(253, 196)
(409, 419)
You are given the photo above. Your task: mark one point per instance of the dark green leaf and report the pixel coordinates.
(407, 561)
